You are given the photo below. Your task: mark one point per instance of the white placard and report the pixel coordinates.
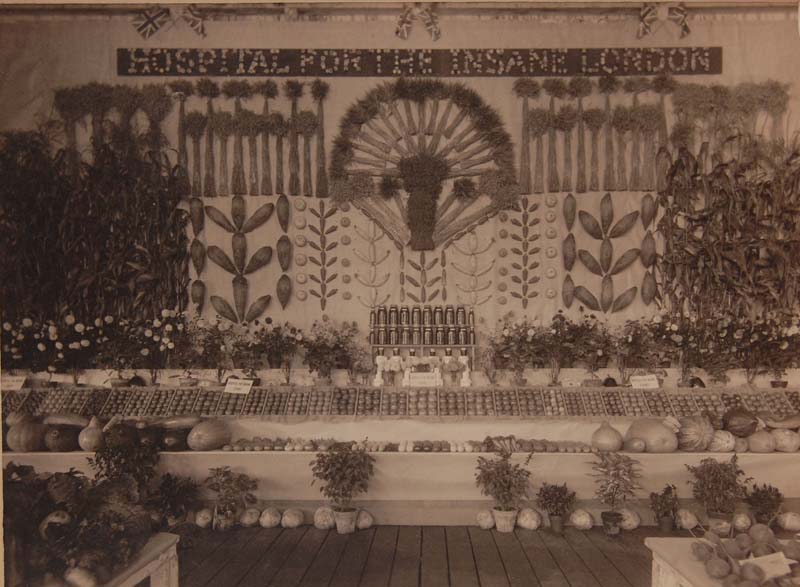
(240, 386)
(774, 565)
(66, 378)
(422, 379)
(644, 382)
(12, 382)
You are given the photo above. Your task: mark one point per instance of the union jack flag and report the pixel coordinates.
(195, 19)
(149, 22)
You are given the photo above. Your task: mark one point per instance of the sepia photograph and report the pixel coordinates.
(382, 294)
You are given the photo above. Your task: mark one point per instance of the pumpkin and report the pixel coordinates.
(761, 441)
(90, 438)
(786, 440)
(696, 433)
(58, 517)
(61, 439)
(740, 445)
(203, 518)
(292, 518)
(529, 519)
(209, 435)
(630, 519)
(323, 518)
(789, 521)
(723, 441)
(26, 436)
(270, 518)
(15, 418)
(364, 520)
(581, 519)
(657, 436)
(174, 440)
(635, 445)
(249, 517)
(686, 519)
(485, 520)
(606, 438)
(739, 422)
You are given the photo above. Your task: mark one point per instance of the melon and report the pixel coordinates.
(25, 436)
(657, 436)
(323, 518)
(292, 518)
(630, 519)
(786, 440)
(270, 518)
(209, 435)
(635, 445)
(581, 519)
(789, 521)
(741, 522)
(761, 441)
(696, 433)
(687, 520)
(61, 439)
(529, 519)
(723, 441)
(249, 517)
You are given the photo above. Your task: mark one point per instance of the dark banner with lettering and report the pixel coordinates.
(419, 62)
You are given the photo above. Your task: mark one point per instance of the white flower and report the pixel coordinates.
(69, 319)
(27, 322)
(108, 319)
(53, 337)
(157, 323)
(144, 352)
(161, 348)
(85, 343)
(59, 345)
(52, 330)
(170, 345)
(20, 337)
(7, 326)
(180, 327)
(298, 337)
(599, 352)
(74, 345)
(156, 337)
(165, 313)
(41, 347)
(168, 328)
(79, 327)
(148, 333)
(60, 355)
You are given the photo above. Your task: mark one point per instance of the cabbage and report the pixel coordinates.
(323, 518)
(292, 518)
(581, 519)
(786, 440)
(630, 519)
(270, 518)
(739, 422)
(364, 520)
(529, 519)
(485, 519)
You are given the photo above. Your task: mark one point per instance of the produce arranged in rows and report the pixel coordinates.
(367, 401)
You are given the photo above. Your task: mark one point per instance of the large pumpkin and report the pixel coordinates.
(26, 436)
(657, 436)
(761, 441)
(61, 439)
(209, 435)
(696, 434)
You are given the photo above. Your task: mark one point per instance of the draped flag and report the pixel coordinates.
(149, 22)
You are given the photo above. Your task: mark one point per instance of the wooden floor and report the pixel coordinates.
(412, 555)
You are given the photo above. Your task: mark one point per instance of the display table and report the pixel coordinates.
(674, 566)
(157, 561)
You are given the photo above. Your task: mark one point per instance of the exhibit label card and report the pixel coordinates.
(12, 382)
(644, 382)
(240, 386)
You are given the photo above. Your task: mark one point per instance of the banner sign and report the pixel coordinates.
(419, 62)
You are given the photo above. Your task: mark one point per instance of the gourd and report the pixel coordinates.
(630, 519)
(292, 518)
(364, 520)
(270, 518)
(209, 435)
(14, 418)
(90, 438)
(739, 422)
(529, 519)
(786, 440)
(25, 436)
(761, 442)
(686, 519)
(249, 517)
(61, 439)
(203, 518)
(323, 518)
(696, 433)
(606, 438)
(581, 519)
(789, 521)
(635, 445)
(723, 441)
(657, 436)
(485, 520)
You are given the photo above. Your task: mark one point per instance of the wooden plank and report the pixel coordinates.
(202, 574)
(322, 568)
(433, 572)
(463, 572)
(518, 569)
(571, 565)
(602, 568)
(269, 564)
(632, 562)
(297, 563)
(542, 562)
(405, 570)
(204, 542)
(378, 568)
(491, 572)
(245, 559)
(351, 564)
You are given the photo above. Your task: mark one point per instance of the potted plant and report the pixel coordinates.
(634, 348)
(118, 353)
(506, 483)
(561, 344)
(234, 493)
(279, 343)
(514, 348)
(328, 347)
(174, 498)
(593, 344)
(344, 471)
(765, 502)
(454, 368)
(488, 362)
(362, 365)
(244, 351)
(210, 344)
(616, 477)
(718, 487)
(557, 501)
(665, 507)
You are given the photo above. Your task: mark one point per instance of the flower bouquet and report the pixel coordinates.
(75, 344)
(634, 348)
(516, 346)
(156, 340)
(362, 365)
(26, 345)
(279, 343)
(329, 346)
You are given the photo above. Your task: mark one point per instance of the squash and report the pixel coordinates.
(203, 518)
(529, 519)
(485, 520)
(630, 519)
(723, 441)
(740, 445)
(686, 519)
(657, 436)
(761, 441)
(789, 521)
(292, 518)
(26, 436)
(742, 522)
(739, 422)
(66, 420)
(91, 438)
(174, 440)
(786, 440)
(249, 517)
(15, 418)
(635, 445)
(270, 518)
(80, 577)
(606, 438)
(323, 518)
(61, 439)
(696, 433)
(364, 520)
(178, 422)
(209, 435)
(581, 519)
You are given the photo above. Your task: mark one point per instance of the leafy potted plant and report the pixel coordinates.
(765, 502)
(634, 348)
(234, 492)
(718, 486)
(344, 471)
(616, 476)
(279, 343)
(514, 347)
(488, 362)
(506, 483)
(119, 353)
(561, 344)
(593, 344)
(362, 365)
(557, 501)
(665, 507)
(328, 347)
(174, 498)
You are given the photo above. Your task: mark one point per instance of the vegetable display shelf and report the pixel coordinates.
(366, 402)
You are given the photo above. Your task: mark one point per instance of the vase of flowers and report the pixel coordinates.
(28, 345)
(634, 348)
(454, 368)
(515, 346)
(592, 347)
(329, 346)
(561, 344)
(75, 343)
(362, 366)
(279, 343)
(209, 339)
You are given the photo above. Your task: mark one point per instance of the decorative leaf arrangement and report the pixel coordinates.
(197, 252)
(238, 90)
(323, 246)
(525, 251)
(205, 88)
(238, 226)
(605, 231)
(284, 246)
(473, 287)
(422, 282)
(268, 89)
(527, 89)
(319, 91)
(647, 253)
(182, 90)
(372, 259)
(569, 250)
(294, 91)
(196, 124)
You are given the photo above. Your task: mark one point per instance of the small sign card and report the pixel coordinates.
(644, 381)
(12, 382)
(67, 378)
(774, 565)
(422, 379)
(241, 386)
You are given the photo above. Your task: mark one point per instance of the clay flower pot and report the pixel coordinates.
(556, 524)
(345, 520)
(611, 521)
(504, 520)
(666, 523)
